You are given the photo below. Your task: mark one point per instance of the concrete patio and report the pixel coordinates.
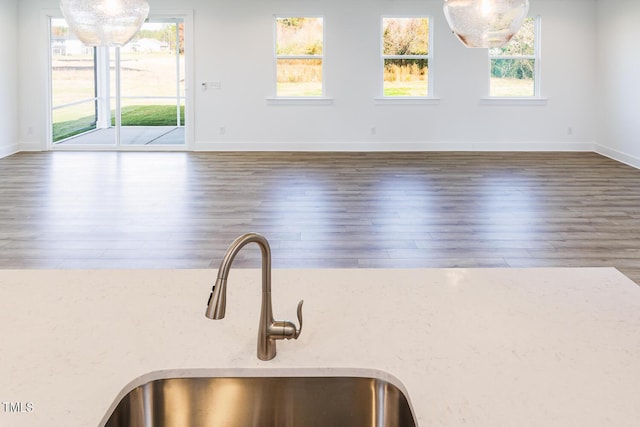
(130, 135)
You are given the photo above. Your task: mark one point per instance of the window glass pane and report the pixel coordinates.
(152, 75)
(512, 77)
(299, 36)
(72, 70)
(148, 62)
(405, 77)
(522, 44)
(72, 82)
(299, 77)
(405, 36)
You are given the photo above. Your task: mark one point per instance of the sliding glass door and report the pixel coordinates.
(133, 96)
(152, 85)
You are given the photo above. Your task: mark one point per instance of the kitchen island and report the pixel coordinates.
(480, 347)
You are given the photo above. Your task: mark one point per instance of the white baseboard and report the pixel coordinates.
(30, 146)
(8, 150)
(364, 146)
(619, 156)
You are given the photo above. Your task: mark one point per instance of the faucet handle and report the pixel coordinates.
(283, 329)
(298, 330)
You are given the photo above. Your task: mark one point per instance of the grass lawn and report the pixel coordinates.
(512, 87)
(149, 115)
(135, 115)
(405, 88)
(64, 130)
(299, 89)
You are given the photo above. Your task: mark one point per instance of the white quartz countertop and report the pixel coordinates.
(471, 347)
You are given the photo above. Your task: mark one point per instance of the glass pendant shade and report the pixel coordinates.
(485, 23)
(105, 22)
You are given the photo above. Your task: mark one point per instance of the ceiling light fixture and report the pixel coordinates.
(485, 23)
(105, 22)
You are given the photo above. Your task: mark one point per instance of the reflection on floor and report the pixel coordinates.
(131, 135)
(98, 209)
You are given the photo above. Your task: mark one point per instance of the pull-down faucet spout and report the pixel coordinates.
(269, 330)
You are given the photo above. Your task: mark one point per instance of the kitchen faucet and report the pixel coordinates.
(269, 330)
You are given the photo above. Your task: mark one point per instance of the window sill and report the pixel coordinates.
(406, 100)
(513, 101)
(300, 101)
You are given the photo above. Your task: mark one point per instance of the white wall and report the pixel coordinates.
(233, 45)
(32, 67)
(618, 72)
(9, 78)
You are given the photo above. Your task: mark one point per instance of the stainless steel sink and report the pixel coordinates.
(263, 401)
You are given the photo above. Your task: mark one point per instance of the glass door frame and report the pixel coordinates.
(102, 82)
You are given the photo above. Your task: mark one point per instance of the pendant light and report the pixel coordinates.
(105, 22)
(485, 23)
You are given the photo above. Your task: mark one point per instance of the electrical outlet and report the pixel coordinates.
(223, 130)
(374, 131)
(570, 130)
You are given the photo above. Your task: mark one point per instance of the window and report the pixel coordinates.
(405, 57)
(515, 67)
(299, 56)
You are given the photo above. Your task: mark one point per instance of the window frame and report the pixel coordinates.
(276, 57)
(536, 57)
(428, 57)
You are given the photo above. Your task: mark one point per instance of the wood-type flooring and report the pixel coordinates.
(319, 210)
